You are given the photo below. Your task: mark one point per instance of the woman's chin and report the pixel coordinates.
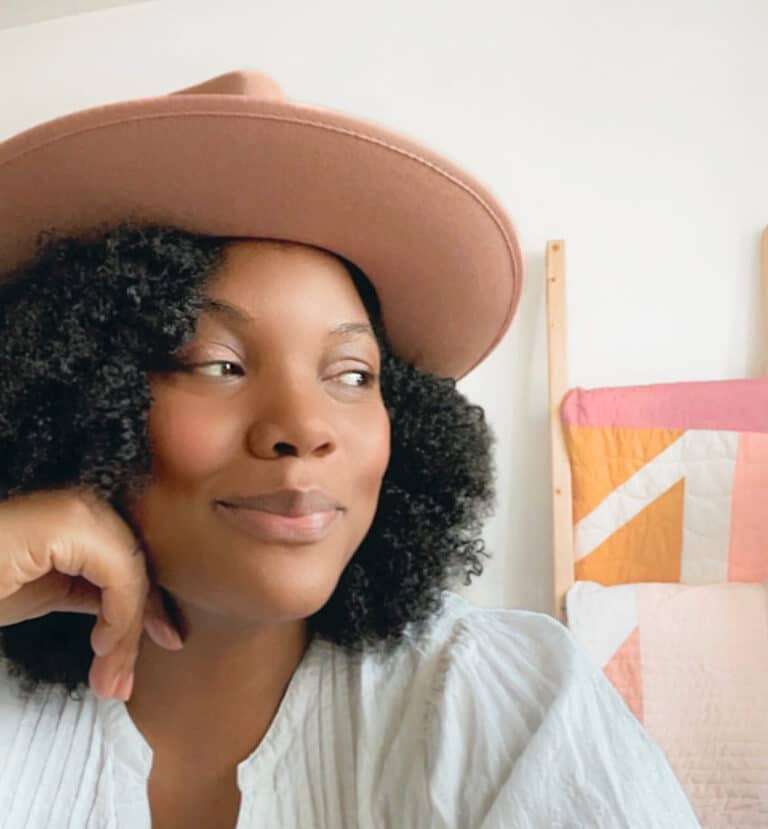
(265, 604)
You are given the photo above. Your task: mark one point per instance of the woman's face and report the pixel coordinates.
(280, 394)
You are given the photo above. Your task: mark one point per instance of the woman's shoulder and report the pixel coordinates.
(457, 676)
(508, 715)
(462, 642)
(481, 666)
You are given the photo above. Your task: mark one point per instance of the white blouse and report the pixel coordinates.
(492, 719)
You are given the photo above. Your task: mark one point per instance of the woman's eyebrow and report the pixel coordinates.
(234, 313)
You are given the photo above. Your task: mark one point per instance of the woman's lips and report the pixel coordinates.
(276, 528)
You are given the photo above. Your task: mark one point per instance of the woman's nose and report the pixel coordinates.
(291, 421)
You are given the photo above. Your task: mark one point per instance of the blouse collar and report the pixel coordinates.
(133, 754)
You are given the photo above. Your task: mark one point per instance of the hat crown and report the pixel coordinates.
(232, 157)
(248, 82)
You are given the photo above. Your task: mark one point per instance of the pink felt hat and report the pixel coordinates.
(232, 157)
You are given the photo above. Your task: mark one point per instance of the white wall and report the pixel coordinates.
(635, 131)
(23, 12)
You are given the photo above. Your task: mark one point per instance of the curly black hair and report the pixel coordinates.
(83, 324)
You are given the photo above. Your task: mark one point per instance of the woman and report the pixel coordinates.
(283, 444)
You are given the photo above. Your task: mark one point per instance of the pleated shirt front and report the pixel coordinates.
(492, 719)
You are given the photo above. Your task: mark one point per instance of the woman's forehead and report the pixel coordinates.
(261, 281)
(241, 252)
(236, 316)
(258, 265)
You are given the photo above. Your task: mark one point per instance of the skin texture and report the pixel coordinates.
(90, 320)
(287, 408)
(88, 326)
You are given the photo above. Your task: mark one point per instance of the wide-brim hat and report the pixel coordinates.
(232, 157)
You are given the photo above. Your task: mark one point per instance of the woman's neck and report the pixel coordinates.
(214, 699)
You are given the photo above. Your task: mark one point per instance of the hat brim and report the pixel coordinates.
(440, 250)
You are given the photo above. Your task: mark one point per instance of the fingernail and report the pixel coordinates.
(163, 632)
(115, 685)
(123, 690)
(172, 636)
(102, 641)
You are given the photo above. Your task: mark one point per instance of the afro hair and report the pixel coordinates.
(85, 321)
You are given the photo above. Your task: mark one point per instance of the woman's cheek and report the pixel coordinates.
(375, 449)
(187, 443)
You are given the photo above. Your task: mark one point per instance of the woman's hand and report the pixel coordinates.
(69, 550)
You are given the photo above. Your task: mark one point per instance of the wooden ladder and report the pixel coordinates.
(557, 343)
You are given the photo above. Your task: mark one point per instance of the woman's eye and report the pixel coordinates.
(363, 378)
(358, 378)
(213, 364)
